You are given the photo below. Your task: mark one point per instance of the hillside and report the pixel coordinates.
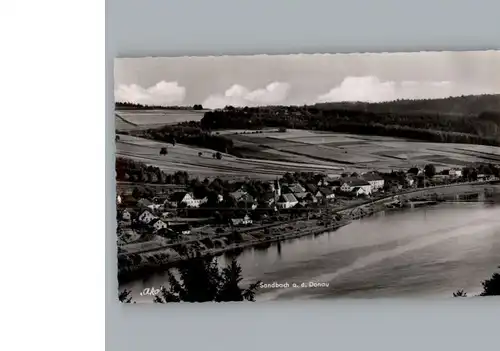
(467, 119)
(462, 105)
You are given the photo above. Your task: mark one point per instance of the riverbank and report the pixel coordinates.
(157, 261)
(155, 264)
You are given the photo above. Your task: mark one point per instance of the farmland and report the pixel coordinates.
(185, 158)
(139, 120)
(363, 152)
(269, 153)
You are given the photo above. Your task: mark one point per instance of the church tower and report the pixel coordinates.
(277, 189)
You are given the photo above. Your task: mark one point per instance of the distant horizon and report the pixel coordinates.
(302, 79)
(314, 104)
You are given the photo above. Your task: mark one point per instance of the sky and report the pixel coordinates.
(218, 81)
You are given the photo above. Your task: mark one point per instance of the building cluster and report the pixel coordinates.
(156, 213)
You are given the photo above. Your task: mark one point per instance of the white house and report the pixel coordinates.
(375, 180)
(349, 183)
(481, 177)
(409, 181)
(183, 197)
(326, 193)
(158, 224)
(455, 173)
(146, 217)
(357, 191)
(286, 201)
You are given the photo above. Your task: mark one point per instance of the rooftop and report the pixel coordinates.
(353, 181)
(372, 176)
(287, 198)
(177, 196)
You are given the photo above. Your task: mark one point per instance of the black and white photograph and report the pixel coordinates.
(308, 176)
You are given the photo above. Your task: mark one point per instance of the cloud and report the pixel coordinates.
(239, 96)
(161, 94)
(372, 89)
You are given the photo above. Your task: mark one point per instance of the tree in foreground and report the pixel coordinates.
(124, 296)
(201, 280)
(460, 293)
(491, 287)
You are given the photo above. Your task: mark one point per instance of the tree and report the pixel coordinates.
(200, 154)
(460, 293)
(230, 290)
(430, 170)
(218, 155)
(197, 107)
(124, 296)
(485, 169)
(137, 193)
(413, 170)
(466, 173)
(163, 151)
(491, 287)
(201, 280)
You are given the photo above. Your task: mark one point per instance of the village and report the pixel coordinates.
(152, 218)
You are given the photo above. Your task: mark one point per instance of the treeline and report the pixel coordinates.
(430, 127)
(132, 106)
(460, 105)
(190, 133)
(138, 172)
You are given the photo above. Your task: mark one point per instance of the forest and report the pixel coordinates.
(190, 133)
(411, 119)
(472, 105)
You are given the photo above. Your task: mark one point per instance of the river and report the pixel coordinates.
(423, 252)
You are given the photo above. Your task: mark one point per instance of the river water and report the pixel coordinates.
(424, 252)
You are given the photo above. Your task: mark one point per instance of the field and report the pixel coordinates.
(364, 152)
(185, 158)
(133, 120)
(270, 153)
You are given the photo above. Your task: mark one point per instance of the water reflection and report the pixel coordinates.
(421, 252)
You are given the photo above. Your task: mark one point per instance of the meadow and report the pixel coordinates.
(268, 153)
(139, 120)
(360, 152)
